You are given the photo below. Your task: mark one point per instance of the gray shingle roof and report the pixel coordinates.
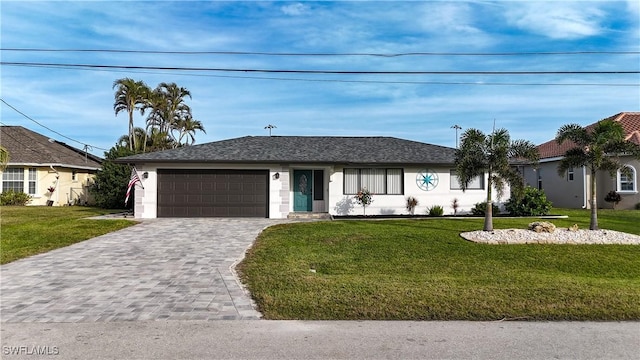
(305, 149)
(28, 147)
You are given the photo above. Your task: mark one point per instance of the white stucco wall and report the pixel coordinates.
(146, 199)
(335, 201)
(341, 204)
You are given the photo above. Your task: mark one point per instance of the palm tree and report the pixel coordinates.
(159, 140)
(596, 148)
(130, 96)
(168, 108)
(479, 154)
(139, 140)
(188, 127)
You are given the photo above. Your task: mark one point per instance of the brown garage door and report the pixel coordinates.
(213, 193)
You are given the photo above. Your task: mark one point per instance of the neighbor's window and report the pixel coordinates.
(570, 173)
(13, 179)
(476, 184)
(627, 180)
(377, 181)
(33, 181)
(74, 176)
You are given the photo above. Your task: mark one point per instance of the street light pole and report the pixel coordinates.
(457, 127)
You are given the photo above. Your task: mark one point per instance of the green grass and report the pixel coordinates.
(423, 270)
(30, 230)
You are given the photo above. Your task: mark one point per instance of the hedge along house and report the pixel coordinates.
(572, 190)
(38, 164)
(279, 176)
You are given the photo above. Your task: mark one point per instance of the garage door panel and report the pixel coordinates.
(212, 193)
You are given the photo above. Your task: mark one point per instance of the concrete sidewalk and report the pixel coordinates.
(265, 339)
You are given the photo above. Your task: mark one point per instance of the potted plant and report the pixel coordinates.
(50, 189)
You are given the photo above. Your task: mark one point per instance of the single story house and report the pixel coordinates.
(572, 190)
(38, 164)
(275, 176)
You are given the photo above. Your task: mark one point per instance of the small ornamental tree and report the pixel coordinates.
(364, 198)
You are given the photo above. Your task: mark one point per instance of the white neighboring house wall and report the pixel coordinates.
(335, 201)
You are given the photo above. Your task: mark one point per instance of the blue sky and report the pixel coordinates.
(78, 103)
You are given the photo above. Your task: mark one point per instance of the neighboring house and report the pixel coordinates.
(274, 176)
(37, 163)
(572, 189)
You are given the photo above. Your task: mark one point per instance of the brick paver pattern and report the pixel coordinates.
(161, 269)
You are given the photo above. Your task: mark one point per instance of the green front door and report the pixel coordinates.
(302, 190)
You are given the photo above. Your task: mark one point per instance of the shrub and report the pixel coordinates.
(436, 210)
(613, 197)
(110, 184)
(532, 203)
(11, 197)
(480, 208)
(638, 206)
(411, 204)
(455, 205)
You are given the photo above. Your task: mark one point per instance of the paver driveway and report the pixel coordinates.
(160, 269)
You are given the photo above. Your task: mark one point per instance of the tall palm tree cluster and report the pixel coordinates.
(169, 122)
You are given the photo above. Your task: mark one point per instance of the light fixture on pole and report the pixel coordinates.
(457, 127)
(270, 127)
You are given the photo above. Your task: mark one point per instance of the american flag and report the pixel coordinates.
(134, 179)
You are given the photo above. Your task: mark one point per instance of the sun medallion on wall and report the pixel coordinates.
(427, 180)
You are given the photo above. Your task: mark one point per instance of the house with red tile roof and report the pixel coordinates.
(572, 190)
(51, 171)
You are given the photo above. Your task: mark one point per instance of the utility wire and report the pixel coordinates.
(388, 55)
(335, 72)
(351, 81)
(48, 128)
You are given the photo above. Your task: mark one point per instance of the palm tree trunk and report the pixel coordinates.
(593, 224)
(488, 213)
(131, 137)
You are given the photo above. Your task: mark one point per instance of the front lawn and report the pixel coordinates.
(423, 270)
(30, 230)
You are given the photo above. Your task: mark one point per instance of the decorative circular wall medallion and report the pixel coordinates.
(427, 180)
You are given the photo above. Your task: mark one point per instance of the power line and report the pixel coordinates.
(48, 128)
(333, 72)
(389, 55)
(352, 81)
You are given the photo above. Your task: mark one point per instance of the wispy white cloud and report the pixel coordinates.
(295, 9)
(80, 103)
(557, 20)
